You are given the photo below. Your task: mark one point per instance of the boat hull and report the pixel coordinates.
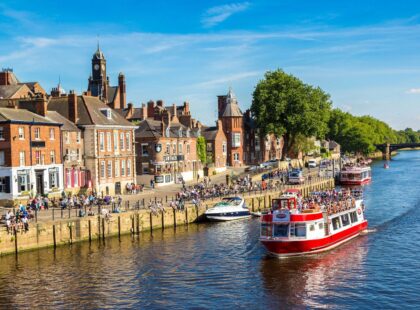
(225, 218)
(281, 248)
(355, 182)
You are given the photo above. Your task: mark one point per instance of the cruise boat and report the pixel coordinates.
(286, 231)
(230, 208)
(355, 175)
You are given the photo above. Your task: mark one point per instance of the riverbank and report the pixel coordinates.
(66, 232)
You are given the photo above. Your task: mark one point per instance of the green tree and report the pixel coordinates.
(284, 105)
(201, 149)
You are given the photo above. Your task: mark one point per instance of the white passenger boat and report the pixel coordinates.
(230, 208)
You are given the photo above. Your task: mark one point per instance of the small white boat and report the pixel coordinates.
(229, 209)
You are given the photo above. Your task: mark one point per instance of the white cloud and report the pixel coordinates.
(228, 79)
(413, 91)
(218, 14)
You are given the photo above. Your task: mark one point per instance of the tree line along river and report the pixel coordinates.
(223, 265)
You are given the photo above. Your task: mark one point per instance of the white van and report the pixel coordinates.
(312, 163)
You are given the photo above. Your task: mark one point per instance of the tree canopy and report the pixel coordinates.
(201, 149)
(284, 105)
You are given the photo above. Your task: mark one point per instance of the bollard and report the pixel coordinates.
(186, 215)
(138, 223)
(71, 233)
(16, 241)
(132, 224)
(163, 220)
(54, 238)
(151, 222)
(119, 227)
(252, 203)
(90, 231)
(103, 228)
(174, 218)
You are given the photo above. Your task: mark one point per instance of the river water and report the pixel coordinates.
(217, 266)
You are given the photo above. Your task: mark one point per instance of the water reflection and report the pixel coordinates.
(307, 280)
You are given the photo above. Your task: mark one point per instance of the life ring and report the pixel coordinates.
(359, 211)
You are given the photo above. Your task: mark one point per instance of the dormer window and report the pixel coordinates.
(107, 112)
(167, 132)
(187, 133)
(180, 132)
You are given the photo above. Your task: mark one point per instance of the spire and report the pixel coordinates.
(98, 54)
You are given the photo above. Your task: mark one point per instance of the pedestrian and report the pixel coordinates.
(152, 184)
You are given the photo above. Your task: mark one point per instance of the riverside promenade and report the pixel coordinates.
(65, 231)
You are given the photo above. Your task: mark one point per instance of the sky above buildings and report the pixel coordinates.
(365, 54)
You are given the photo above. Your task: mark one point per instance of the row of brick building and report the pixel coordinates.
(57, 141)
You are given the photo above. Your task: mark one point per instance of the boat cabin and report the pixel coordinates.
(284, 203)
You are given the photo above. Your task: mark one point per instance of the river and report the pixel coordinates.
(217, 266)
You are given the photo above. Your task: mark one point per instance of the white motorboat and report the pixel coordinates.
(229, 209)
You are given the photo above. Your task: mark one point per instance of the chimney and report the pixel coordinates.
(121, 86)
(162, 128)
(174, 107)
(160, 103)
(73, 113)
(219, 124)
(130, 111)
(143, 111)
(150, 108)
(186, 107)
(41, 104)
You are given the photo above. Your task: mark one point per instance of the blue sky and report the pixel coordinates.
(365, 54)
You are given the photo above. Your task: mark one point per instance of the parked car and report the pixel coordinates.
(296, 177)
(312, 163)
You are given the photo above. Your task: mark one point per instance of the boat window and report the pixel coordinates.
(321, 225)
(345, 219)
(312, 227)
(298, 230)
(281, 230)
(353, 217)
(336, 223)
(266, 230)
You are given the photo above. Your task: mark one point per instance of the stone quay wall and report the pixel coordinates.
(65, 232)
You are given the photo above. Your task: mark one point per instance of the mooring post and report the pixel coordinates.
(90, 231)
(16, 241)
(119, 227)
(54, 237)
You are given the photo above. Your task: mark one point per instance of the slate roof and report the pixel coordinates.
(112, 92)
(21, 115)
(150, 128)
(89, 111)
(209, 133)
(57, 118)
(7, 91)
(232, 108)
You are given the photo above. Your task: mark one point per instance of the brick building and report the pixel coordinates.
(166, 143)
(30, 153)
(216, 145)
(11, 88)
(108, 142)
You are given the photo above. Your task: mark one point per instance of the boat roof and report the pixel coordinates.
(232, 198)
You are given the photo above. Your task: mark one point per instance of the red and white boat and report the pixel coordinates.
(355, 175)
(285, 231)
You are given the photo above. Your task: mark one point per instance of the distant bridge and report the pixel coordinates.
(388, 148)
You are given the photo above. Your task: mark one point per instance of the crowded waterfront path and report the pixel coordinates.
(223, 265)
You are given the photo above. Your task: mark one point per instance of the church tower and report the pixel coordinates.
(98, 81)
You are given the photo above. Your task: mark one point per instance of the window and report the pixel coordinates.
(174, 148)
(145, 168)
(1, 133)
(345, 219)
(353, 217)
(78, 154)
(122, 141)
(52, 134)
(22, 158)
(67, 137)
(236, 156)
(257, 143)
(281, 230)
(68, 177)
(336, 223)
(144, 150)
(109, 169)
(102, 169)
(188, 148)
(236, 139)
(107, 112)
(115, 141)
(2, 158)
(128, 167)
(312, 227)
(101, 142)
(52, 157)
(4, 184)
(37, 133)
(108, 142)
(209, 147)
(168, 148)
(23, 181)
(298, 230)
(167, 132)
(78, 137)
(21, 133)
(266, 230)
(224, 146)
(180, 148)
(53, 175)
(123, 167)
(321, 225)
(117, 168)
(127, 141)
(38, 159)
